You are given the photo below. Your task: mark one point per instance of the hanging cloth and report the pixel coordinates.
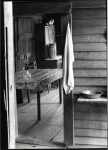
(68, 76)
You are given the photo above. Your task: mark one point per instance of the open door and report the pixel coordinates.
(10, 92)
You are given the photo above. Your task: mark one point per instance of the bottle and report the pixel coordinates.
(26, 74)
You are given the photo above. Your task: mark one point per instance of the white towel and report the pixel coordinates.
(68, 77)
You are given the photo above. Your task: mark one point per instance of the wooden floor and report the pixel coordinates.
(90, 123)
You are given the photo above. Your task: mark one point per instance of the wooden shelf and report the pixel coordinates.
(97, 100)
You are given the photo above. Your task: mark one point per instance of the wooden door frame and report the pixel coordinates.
(10, 90)
(3, 114)
(68, 113)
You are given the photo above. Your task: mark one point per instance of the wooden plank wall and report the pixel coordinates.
(24, 44)
(89, 37)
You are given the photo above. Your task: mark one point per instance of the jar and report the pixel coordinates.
(52, 50)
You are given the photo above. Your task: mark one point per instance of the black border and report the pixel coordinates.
(3, 115)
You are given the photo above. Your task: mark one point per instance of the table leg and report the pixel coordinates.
(19, 94)
(28, 95)
(60, 91)
(38, 106)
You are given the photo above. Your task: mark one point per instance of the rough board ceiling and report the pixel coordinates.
(32, 8)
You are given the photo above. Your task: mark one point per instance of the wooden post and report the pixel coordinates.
(3, 114)
(38, 106)
(9, 50)
(69, 108)
(68, 119)
(60, 91)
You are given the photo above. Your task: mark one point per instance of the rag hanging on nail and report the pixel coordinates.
(68, 76)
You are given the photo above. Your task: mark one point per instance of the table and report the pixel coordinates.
(40, 80)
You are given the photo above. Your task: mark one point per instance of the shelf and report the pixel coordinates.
(97, 100)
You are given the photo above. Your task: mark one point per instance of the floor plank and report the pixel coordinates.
(90, 122)
(33, 142)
